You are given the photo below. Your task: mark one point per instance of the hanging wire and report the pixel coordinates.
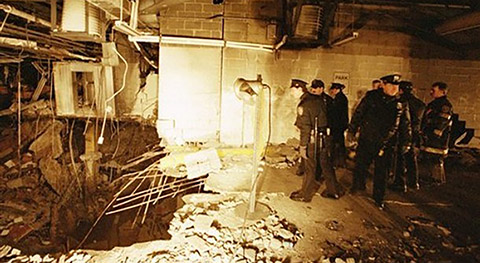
(5, 19)
(19, 118)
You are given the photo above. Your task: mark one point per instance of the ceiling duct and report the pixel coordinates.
(113, 8)
(459, 24)
(81, 21)
(309, 22)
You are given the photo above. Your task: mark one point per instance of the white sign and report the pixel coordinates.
(343, 78)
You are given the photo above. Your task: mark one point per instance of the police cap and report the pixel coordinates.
(298, 83)
(406, 86)
(339, 86)
(392, 79)
(317, 83)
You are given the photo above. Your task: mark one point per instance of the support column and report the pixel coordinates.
(90, 158)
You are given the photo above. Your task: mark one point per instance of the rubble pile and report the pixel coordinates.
(45, 204)
(421, 241)
(10, 254)
(283, 155)
(209, 232)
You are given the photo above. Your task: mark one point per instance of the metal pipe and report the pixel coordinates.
(11, 10)
(281, 43)
(15, 42)
(45, 37)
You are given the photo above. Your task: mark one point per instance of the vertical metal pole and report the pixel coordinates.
(53, 14)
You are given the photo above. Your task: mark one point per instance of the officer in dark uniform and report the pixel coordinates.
(406, 174)
(435, 127)
(378, 117)
(299, 91)
(315, 144)
(338, 123)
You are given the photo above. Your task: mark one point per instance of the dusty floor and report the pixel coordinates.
(434, 224)
(453, 206)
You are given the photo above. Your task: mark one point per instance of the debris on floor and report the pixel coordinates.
(208, 236)
(283, 155)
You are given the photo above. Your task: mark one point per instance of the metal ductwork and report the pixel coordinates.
(81, 18)
(459, 24)
(310, 22)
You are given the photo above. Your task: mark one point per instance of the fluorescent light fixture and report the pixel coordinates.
(192, 41)
(147, 39)
(252, 46)
(123, 27)
(344, 39)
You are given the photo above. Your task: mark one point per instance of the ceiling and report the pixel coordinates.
(454, 24)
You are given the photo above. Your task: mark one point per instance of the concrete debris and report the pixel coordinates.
(4, 232)
(334, 225)
(293, 142)
(283, 155)
(201, 225)
(9, 164)
(57, 177)
(9, 254)
(49, 143)
(24, 181)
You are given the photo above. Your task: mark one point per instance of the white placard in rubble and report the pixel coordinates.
(202, 163)
(342, 78)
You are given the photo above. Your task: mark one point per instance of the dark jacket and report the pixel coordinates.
(338, 113)
(417, 108)
(312, 106)
(436, 124)
(379, 117)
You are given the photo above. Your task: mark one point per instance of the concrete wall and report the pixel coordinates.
(374, 54)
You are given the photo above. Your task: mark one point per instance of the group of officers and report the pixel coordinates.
(389, 127)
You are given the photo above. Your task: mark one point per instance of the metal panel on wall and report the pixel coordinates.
(189, 92)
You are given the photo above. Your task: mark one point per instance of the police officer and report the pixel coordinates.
(298, 90)
(376, 83)
(338, 123)
(435, 127)
(378, 117)
(406, 174)
(315, 145)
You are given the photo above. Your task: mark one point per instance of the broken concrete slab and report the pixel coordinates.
(56, 176)
(202, 223)
(49, 143)
(293, 142)
(197, 243)
(24, 181)
(9, 164)
(276, 158)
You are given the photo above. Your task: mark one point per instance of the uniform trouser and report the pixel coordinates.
(435, 166)
(366, 154)
(339, 150)
(301, 167)
(317, 167)
(407, 169)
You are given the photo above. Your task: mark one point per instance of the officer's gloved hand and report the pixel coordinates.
(303, 152)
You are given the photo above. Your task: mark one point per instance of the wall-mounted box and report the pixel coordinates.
(81, 89)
